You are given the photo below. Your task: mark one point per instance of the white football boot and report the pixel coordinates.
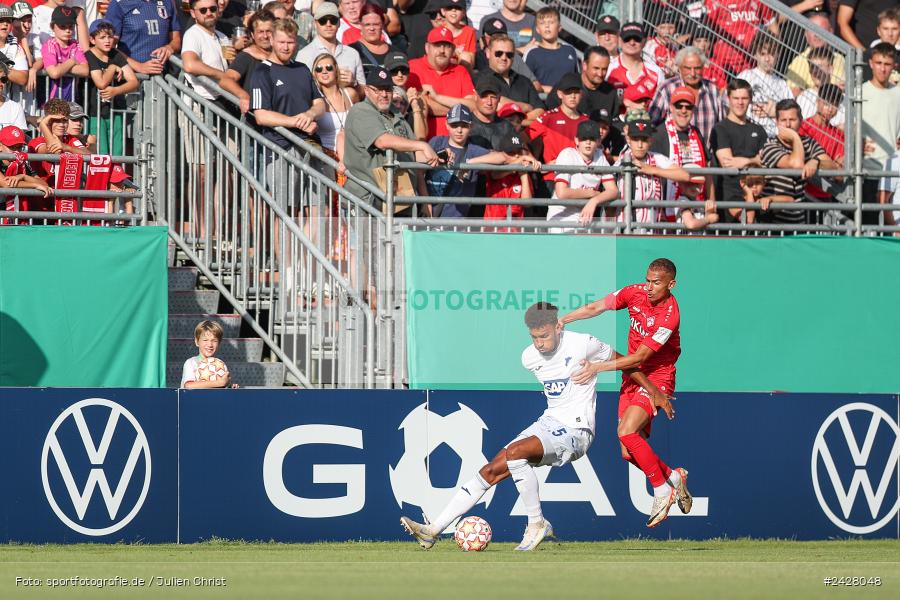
(534, 535)
(424, 534)
(661, 506)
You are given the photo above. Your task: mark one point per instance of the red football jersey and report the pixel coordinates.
(558, 133)
(653, 326)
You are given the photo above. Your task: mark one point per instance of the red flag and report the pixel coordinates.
(98, 172)
(68, 177)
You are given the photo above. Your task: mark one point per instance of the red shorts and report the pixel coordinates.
(632, 394)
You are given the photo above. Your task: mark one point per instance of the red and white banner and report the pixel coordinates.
(68, 177)
(98, 172)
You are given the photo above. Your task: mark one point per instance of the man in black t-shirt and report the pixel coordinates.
(488, 130)
(239, 74)
(512, 86)
(597, 93)
(736, 142)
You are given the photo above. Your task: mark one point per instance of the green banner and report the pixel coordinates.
(83, 306)
(799, 313)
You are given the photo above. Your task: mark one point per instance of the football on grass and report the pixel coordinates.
(473, 534)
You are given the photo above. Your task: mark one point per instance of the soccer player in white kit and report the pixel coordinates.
(561, 435)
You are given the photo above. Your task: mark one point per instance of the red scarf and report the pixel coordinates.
(646, 187)
(696, 148)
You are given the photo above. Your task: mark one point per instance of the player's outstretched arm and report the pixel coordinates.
(587, 311)
(630, 361)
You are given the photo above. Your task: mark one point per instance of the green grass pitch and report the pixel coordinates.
(626, 569)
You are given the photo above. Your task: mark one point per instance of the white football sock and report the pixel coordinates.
(527, 484)
(662, 490)
(675, 479)
(465, 498)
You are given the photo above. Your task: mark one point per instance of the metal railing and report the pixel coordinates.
(302, 260)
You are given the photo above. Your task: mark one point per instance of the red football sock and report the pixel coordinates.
(664, 469)
(645, 457)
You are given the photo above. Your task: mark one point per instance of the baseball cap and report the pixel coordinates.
(394, 60)
(6, 12)
(608, 24)
(638, 124)
(63, 15)
(588, 130)
(76, 112)
(11, 136)
(631, 31)
(459, 113)
(326, 9)
(510, 108)
(461, 4)
(118, 175)
(487, 84)
(683, 94)
(511, 144)
(379, 77)
(831, 94)
(97, 24)
(636, 93)
(494, 26)
(569, 81)
(440, 35)
(601, 115)
(21, 9)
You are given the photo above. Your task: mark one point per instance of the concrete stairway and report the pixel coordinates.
(190, 304)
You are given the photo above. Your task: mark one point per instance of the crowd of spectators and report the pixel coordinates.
(358, 77)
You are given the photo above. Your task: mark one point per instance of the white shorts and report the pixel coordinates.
(561, 444)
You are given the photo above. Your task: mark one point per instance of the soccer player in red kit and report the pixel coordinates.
(653, 345)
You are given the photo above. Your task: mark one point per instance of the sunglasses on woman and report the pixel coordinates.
(328, 68)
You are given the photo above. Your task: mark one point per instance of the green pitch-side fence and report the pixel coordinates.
(800, 313)
(83, 306)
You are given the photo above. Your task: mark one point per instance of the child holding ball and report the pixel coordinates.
(205, 370)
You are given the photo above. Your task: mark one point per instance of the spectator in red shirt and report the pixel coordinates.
(819, 126)
(443, 84)
(54, 139)
(556, 129)
(509, 185)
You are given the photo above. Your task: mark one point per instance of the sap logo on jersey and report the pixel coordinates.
(423, 432)
(66, 457)
(554, 387)
(835, 441)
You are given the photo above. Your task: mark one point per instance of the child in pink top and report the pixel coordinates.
(62, 56)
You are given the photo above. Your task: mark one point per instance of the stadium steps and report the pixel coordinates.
(190, 303)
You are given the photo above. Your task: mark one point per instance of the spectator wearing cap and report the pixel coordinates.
(23, 21)
(372, 129)
(660, 49)
(637, 97)
(513, 87)
(326, 40)
(454, 13)
(397, 64)
(19, 173)
(14, 56)
(488, 130)
(454, 149)
(42, 30)
(75, 127)
(649, 184)
(550, 58)
(556, 129)
(119, 182)
(443, 84)
(492, 28)
(111, 78)
(149, 32)
(612, 140)
(520, 25)
(507, 185)
(607, 34)
(594, 188)
(372, 44)
(62, 56)
(11, 113)
(240, 72)
(630, 68)
(596, 92)
(515, 114)
(710, 108)
(684, 145)
(790, 150)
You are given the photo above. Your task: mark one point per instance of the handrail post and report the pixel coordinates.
(858, 179)
(390, 168)
(627, 194)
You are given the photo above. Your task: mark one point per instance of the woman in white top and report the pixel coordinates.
(338, 101)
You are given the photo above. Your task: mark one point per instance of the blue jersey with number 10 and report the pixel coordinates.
(142, 25)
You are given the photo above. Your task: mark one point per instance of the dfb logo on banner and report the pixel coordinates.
(423, 432)
(860, 481)
(119, 422)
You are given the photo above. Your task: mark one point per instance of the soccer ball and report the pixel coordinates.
(473, 534)
(211, 369)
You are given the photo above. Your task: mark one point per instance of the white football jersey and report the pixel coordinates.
(570, 404)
